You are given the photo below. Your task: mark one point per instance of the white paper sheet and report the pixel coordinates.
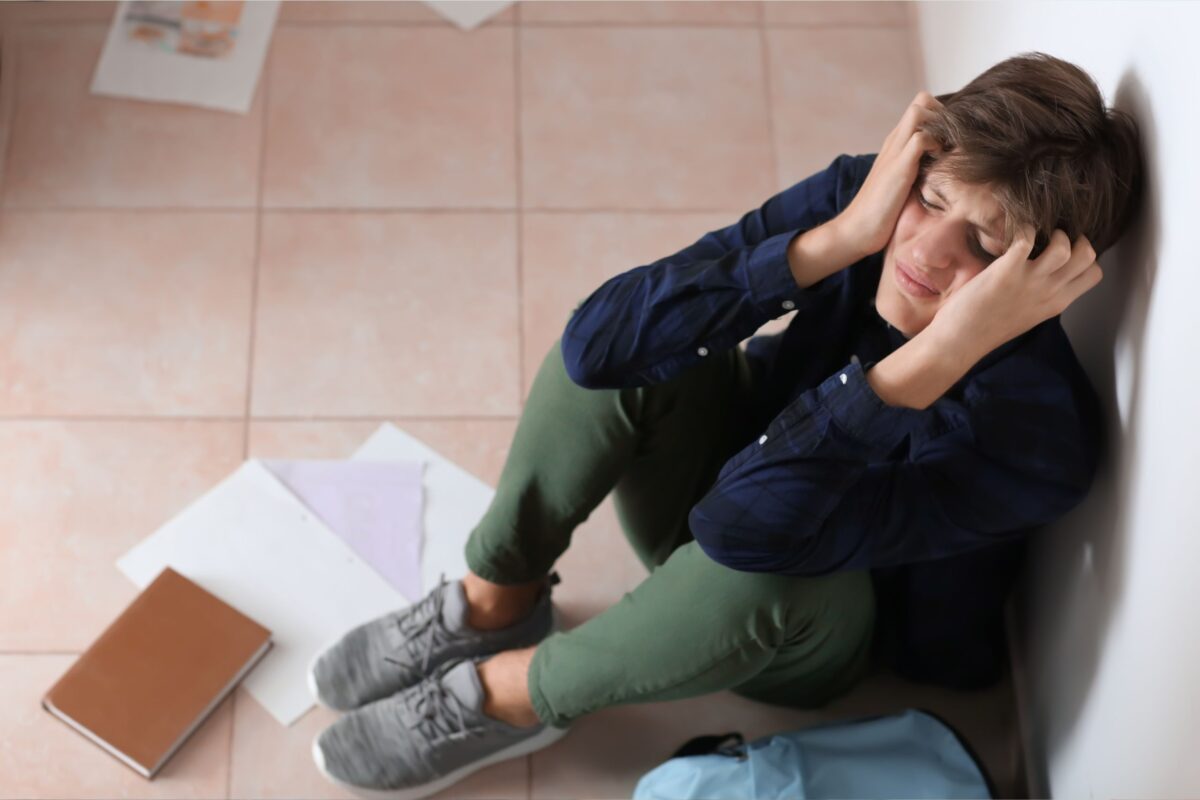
(455, 500)
(251, 543)
(466, 14)
(185, 58)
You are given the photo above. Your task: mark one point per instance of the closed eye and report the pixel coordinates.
(975, 245)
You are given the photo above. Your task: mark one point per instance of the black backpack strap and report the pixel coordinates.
(726, 744)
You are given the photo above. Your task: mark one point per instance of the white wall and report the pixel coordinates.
(1109, 619)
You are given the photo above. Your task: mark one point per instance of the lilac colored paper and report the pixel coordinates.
(374, 506)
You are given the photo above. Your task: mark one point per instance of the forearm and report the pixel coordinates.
(925, 367)
(820, 252)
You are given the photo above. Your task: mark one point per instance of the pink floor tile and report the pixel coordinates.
(124, 312)
(680, 12)
(271, 760)
(72, 148)
(76, 496)
(374, 11)
(836, 91)
(428, 311)
(42, 757)
(631, 118)
(838, 12)
(409, 117)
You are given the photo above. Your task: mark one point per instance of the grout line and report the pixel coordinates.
(448, 26)
(265, 83)
(353, 210)
(520, 217)
(264, 418)
(116, 418)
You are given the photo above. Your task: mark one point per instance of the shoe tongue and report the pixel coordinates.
(462, 681)
(454, 607)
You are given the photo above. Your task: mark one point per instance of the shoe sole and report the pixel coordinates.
(311, 675)
(531, 745)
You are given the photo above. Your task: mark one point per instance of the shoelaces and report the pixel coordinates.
(428, 613)
(434, 707)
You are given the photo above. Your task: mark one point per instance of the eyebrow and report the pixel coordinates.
(985, 228)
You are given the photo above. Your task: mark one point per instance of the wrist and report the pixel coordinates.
(820, 252)
(965, 344)
(922, 369)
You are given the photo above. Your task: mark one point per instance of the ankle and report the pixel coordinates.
(504, 678)
(491, 605)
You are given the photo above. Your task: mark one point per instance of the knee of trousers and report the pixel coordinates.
(778, 609)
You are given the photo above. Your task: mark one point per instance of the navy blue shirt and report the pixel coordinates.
(936, 503)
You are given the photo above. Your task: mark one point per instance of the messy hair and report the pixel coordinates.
(1034, 128)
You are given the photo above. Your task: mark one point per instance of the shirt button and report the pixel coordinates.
(854, 359)
(703, 351)
(789, 305)
(843, 377)
(762, 438)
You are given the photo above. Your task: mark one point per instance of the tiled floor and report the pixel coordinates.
(396, 230)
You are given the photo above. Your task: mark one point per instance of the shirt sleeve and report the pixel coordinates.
(647, 325)
(831, 486)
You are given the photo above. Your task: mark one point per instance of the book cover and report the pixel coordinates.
(158, 671)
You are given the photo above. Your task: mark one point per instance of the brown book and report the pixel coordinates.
(157, 672)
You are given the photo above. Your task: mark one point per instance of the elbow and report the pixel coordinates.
(577, 368)
(705, 534)
(713, 544)
(572, 347)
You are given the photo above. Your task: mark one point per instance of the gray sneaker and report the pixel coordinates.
(423, 739)
(398, 650)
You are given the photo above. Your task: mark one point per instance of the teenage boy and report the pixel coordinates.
(855, 487)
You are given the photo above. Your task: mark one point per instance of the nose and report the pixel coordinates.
(937, 246)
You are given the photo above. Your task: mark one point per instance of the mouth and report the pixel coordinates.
(913, 282)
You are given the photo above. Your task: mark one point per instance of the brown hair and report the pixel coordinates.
(1035, 129)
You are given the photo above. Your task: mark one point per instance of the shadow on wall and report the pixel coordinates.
(1074, 583)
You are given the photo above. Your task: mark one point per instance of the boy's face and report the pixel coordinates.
(947, 233)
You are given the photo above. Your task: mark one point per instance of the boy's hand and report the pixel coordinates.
(871, 217)
(1013, 294)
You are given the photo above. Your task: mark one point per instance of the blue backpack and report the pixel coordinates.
(913, 754)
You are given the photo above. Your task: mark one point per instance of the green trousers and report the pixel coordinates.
(692, 626)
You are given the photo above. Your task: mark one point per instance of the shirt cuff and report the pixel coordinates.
(860, 412)
(773, 286)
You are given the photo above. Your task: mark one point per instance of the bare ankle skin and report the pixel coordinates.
(491, 606)
(504, 678)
